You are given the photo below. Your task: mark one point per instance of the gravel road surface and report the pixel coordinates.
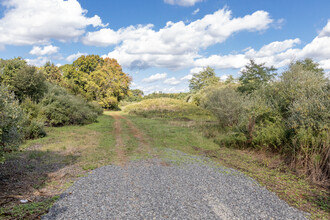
(184, 187)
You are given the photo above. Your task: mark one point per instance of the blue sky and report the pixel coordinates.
(161, 43)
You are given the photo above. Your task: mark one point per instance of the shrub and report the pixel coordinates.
(11, 120)
(61, 108)
(226, 104)
(34, 129)
(25, 81)
(168, 108)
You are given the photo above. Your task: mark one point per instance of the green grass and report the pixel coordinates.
(27, 211)
(168, 108)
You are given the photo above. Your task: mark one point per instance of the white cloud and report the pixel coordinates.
(196, 70)
(154, 78)
(187, 77)
(177, 44)
(172, 81)
(326, 30)
(182, 2)
(196, 11)
(31, 22)
(75, 56)
(325, 64)
(39, 61)
(47, 50)
(223, 62)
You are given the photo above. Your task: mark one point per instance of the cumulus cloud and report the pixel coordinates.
(172, 81)
(182, 2)
(31, 22)
(47, 50)
(187, 77)
(154, 78)
(278, 53)
(75, 56)
(39, 61)
(177, 44)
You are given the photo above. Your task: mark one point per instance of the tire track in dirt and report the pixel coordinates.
(120, 147)
(144, 146)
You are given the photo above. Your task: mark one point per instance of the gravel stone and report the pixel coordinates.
(191, 187)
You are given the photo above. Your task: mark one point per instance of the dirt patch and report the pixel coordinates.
(120, 147)
(144, 146)
(31, 174)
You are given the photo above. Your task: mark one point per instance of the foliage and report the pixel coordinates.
(108, 84)
(61, 108)
(53, 73)
(168, 108)
(204, 78)
(11, 120)
(290, 116)
(225, 103)
(155, 95)
(23, 80)
(134, 95)
(254, 76)
(98, 79)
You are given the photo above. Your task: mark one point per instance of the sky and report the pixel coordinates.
(161, 43)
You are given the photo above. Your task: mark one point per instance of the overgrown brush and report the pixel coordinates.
(168, 108)
(61, 108)
(290, 116)
(11, 121)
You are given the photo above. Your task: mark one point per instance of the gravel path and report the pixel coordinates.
(191, 187)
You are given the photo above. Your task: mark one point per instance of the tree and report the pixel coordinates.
(254, 76)
(11, 121)
(204, 78)
(53, 73)
(22, 79)
(108, 84)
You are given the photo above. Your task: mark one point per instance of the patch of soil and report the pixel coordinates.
(120, 147)
(35, 175)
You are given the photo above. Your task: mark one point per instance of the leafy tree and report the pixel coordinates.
(9, 68)
(254, 76)
(28, 82)
(108, 84)
(309, 65)
(11, 120)
(22, 79)
(137, 93)
(88, 64)
(52, 73)
(204, 78)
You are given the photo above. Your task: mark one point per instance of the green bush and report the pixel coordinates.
(34, 129)
(11, 120)
(226, 104)
(168, 108)
(24, 80)
(61, 108)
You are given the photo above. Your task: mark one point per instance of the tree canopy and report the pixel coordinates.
(254, 76)
(98, 79)
(204, 78)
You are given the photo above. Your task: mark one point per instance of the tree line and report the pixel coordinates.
(34, 97)
(287, 113)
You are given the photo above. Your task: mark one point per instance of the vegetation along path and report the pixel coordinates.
(152, 182)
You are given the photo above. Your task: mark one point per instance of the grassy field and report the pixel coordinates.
(46, 167)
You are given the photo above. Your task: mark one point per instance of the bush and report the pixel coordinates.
(34, 129)
(168, 108)
(25, 81)
(61, 108)
(226, 104)
(11, 120)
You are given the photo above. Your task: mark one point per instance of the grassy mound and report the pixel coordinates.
(168, 108)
